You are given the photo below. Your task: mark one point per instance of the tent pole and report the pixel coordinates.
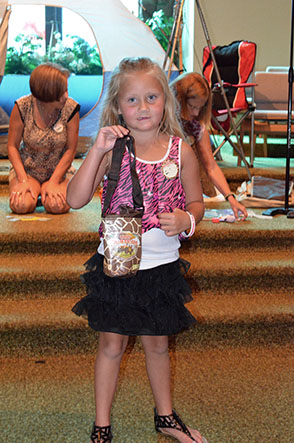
(219, 79)
(289, 212)
(173, 37)
(179, 19)
(3, 39)
(176, 12)
(180, 51)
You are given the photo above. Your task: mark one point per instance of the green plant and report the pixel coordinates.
(161, 26)
(24, 57)
(77, 55)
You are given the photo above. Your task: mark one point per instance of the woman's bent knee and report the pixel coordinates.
(56, 209)
(23, 207)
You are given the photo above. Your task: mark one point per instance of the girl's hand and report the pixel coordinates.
(173, 223)
(108, 135)
(238, 207)
(18, 193)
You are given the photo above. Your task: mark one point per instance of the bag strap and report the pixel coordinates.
(113, 175)
(136, 192)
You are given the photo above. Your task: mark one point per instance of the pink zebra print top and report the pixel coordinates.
(160, 193)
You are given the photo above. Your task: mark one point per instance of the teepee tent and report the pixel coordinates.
(118, 34)
(5, 13)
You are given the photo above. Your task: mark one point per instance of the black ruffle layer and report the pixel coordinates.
(150, 303)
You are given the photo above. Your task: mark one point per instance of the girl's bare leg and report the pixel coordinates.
(110, 352)
(158, 370)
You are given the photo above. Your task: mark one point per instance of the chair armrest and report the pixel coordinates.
(239, 85)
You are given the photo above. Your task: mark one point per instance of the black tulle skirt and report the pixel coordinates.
(150, 303)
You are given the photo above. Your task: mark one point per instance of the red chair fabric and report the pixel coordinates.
(235, 63)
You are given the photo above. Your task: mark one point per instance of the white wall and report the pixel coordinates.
(265, 22)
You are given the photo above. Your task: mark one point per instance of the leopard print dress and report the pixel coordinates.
(42, 149)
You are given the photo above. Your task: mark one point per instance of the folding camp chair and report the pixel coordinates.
(227, 72)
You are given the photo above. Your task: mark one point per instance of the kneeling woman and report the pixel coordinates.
(42, 142)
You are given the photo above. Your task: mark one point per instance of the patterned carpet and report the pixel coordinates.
(233, 374)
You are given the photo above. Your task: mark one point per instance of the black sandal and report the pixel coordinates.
(172, 421)
(101, 434)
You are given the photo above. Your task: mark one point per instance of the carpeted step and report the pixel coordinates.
(252, 234)
(229, 288)
(74, 336)
(77, 231)
(213, 273)
(48, 325)
(33, 242)
(241, 275)
(241, 271)
(237, 175)
(41, 276)
(40, 296)
(238, 359)
(31, 313)
(225, 309)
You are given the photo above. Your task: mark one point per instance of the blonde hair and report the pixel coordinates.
(110, 116)
(48, 82)
(193, 85)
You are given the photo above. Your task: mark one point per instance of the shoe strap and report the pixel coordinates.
(172, 421)
(101, 434)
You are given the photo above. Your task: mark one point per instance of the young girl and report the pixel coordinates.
(150, 304)
(194, 97)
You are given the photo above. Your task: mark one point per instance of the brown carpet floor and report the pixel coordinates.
(232, 374)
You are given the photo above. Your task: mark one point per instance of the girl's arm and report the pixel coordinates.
(84, 183)
(175, 222)
(215, 173)
(190, 178)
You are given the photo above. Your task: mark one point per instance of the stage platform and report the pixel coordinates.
(233, 374)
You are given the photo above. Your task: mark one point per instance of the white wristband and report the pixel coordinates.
(192, 226)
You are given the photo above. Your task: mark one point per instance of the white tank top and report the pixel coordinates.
(157, 248)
